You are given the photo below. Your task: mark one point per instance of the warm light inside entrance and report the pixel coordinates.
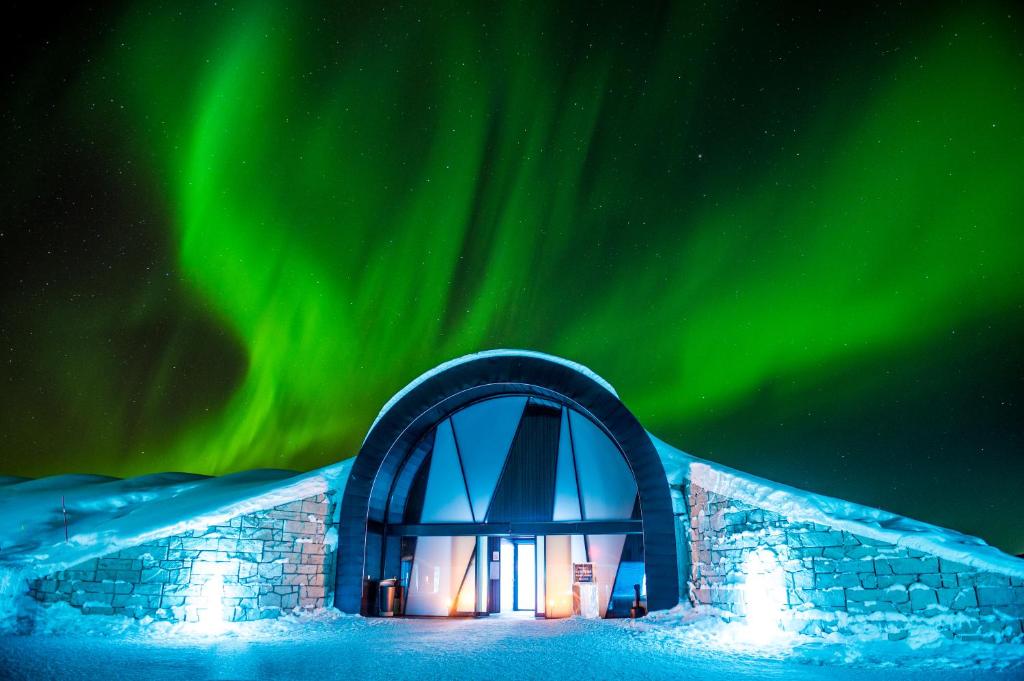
(764, 595)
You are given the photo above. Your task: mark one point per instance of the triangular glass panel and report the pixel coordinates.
(606, 484)
(629, 577)
(466, 602)
(526, 490)
(605, 553)
(567, 497)
(445, 500)
(484, 432)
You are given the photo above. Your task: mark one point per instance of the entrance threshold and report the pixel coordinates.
(515, 615)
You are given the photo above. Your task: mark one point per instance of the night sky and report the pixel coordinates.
(791, 236)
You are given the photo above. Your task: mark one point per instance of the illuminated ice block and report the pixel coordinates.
(584, 601)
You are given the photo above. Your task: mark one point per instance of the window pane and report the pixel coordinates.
(606, 482)
(567, 500)
(631, 572)
(540, 576)
(559, 576)
(508, 574)
(445, 500)
(605, 553)
(485, 431)
(466, 601)
(438, 569)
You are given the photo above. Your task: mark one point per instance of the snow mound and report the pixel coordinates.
(688, 627)
(802, 506)
(108, 514)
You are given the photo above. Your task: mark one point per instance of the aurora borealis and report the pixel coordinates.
(791, 237)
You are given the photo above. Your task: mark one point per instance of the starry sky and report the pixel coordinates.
(791, 236)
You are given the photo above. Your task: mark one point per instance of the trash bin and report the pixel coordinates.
(387, 597)
(369, 603)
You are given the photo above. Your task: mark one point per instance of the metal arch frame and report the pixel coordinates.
(364, 505)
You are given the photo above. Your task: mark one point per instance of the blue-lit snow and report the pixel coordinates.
(674, 645)
(106, 514)
(799, 505)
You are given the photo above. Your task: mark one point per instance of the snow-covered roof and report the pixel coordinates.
(441, 368)
(802, 506)
(108, 514)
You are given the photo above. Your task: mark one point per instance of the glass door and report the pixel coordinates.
(525, 588)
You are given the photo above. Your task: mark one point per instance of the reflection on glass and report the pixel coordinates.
(605, 552)
(438, 570)
(466, 603)
(559, 576)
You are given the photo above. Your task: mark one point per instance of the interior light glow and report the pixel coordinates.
(211, 611)
(764, 595)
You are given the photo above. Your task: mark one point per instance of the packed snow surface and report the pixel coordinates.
(801, 506)
(680, 644)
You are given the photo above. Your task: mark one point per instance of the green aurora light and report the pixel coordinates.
(357, 197)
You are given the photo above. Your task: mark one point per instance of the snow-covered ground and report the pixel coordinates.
(677, 645)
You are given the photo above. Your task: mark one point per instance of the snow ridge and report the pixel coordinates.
(108, 514)
(802, 506)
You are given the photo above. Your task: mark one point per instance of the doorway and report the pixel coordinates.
(518, 575)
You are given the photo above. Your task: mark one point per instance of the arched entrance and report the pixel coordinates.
(525, 460)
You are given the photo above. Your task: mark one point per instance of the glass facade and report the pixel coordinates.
(567, 496)
(439, 569)
(485, 433)
(445, 498)
(607, 487)
(516, 462)
(562, 552)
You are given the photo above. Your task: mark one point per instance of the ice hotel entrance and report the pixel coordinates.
(507, 483)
